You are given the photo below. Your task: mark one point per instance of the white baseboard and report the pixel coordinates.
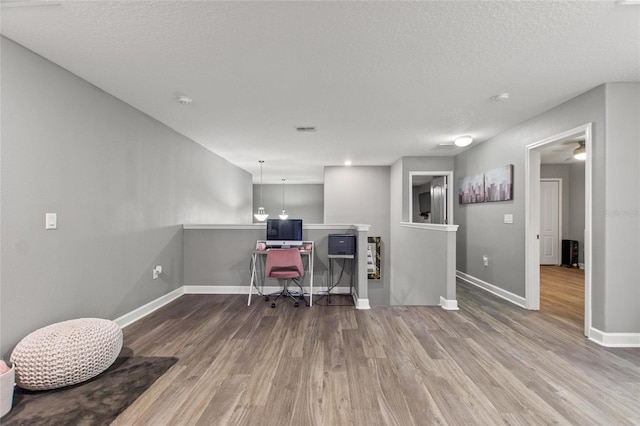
(614, 340)
(497, 291)
(449, 305)
(362, 303)
(145, 310)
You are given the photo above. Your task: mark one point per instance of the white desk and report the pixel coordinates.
(260, 253)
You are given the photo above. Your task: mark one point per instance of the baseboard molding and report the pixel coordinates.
(240, 289)
(361, 303)
(497, 291)
(449, 305)
(145, 310)
(614, 340)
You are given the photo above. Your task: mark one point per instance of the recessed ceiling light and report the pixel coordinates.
(463, 141)
(185, 100)
(347, 163)
(500, 97)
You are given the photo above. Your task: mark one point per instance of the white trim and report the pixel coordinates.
(532, 219)
(615, 340)
(430, 226)
(495, 290)
(243, 289)
(448, 209)
(362, 303)
(449, 305)
(226, 226)
(150, 307)
(250, 226)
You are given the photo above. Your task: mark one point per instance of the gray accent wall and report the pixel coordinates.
(301, 201)
(613, 109)
(407, 279)
(362, 195)
(122, 185)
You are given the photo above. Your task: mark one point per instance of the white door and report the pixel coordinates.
(439, 200)
(550, 222)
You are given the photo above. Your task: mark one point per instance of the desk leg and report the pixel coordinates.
(311, 280)
(253, 276)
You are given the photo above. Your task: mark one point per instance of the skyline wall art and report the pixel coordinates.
(493, 185)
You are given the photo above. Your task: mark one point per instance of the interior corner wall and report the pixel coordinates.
(622, 209)
(482, 229)
(361, 195)
(301, 201)
(615, 298)
(122, 185)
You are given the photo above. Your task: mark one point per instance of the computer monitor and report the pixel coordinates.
(284, 232)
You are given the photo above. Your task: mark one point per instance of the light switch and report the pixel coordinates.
(51, 221)
(508, 218)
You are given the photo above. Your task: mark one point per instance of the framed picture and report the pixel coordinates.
(498, 184)
(493, 185)
(373, 258)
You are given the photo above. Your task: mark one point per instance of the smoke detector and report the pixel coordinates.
(185, 100)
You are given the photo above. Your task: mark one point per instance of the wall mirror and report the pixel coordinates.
(430, 197)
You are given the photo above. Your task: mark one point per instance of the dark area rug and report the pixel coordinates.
(95, 402)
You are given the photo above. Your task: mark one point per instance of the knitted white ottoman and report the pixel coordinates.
(66, 353)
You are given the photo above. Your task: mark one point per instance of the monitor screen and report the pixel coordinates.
(284, 232)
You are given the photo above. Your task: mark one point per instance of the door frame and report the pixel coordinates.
(532, 218)
(559, 235)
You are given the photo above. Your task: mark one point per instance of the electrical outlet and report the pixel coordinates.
(157, 271)
(485, 260)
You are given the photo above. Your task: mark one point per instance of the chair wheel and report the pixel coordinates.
(295, 304)
(273, 305)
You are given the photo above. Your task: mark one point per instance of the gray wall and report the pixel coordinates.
(361, 195)
(573, 207)
(622, 209)
(221, 257)
(304, 202)
(402, 239)
(121, 183)
(613, 109)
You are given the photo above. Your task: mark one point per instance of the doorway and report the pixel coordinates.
(533, 217)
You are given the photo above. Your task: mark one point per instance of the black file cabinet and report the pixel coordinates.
(570, 253)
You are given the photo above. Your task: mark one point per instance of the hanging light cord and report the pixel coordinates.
(283, 194)
(261, 161)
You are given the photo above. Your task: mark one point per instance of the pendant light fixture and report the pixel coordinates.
(284, 214)
(261, 216)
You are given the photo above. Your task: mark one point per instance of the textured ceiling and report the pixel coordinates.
(379, 80)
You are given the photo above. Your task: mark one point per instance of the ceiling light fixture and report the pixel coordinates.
(347, 163)
(463, 141)
(261, 216)
(185, 100)
(284, 214)
(501, 97)
(580, 153)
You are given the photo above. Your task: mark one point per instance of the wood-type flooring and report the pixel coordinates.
(489, 363)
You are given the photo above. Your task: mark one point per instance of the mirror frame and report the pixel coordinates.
(449, 203)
